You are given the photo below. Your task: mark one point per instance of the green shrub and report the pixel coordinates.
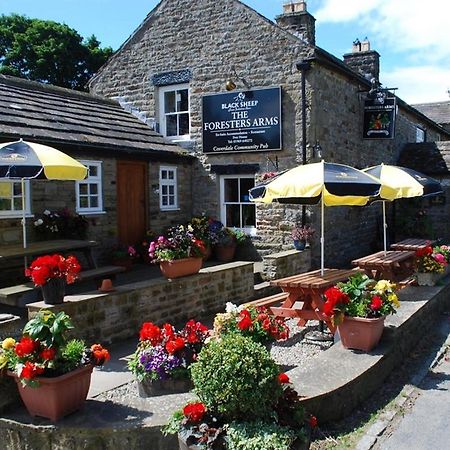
(236, 378)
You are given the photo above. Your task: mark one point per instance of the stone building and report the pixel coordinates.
(185, 53)
(437, 111)
(131, 167)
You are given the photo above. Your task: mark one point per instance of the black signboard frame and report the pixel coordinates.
(379, 117)
(242, 121)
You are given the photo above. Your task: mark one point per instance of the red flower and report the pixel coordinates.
(266, 325)
(245, 323)
(46, 267)
(150, 332)
(48, 354)
(376, 303)
(26, 346)
(262, 317)
(168, 331)
(175, 345)
(31, 370)
(283, 378)
(194, 411)
(100, 354)
(313, 421)
(425, 251)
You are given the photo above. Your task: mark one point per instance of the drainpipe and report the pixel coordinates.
(303, 67)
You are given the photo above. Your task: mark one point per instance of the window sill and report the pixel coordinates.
(169, 209)
(16, 216)
(90, 213)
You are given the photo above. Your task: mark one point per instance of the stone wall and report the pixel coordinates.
(210, 39)
(106, 318)
(286, 263)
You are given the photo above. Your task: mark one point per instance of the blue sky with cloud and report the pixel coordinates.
(412, 36)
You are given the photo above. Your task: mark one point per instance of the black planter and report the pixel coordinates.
(154, 388)
(53, 291)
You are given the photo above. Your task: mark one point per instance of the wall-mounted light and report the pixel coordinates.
(317, 151)
(230, 84)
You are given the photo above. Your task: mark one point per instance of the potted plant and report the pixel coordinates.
(252, 321)
(205, 229)
(163, 356)
(51, 273)
(227, 241)
(124, 256)
(243, 401)
(63, 224)
(430, 265)
(301, 235)
(178, 254)
(52, 373)
(359, 307)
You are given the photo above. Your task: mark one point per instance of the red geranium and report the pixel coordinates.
(150, 332)
(376, 303)
(46, 267)
(26, 346)
(100, 354)
(48, 354)
(194, 411)
(245, 322)
(424, 251)
(31, 370)
(283, 378)
(313, 421)
(175, 345)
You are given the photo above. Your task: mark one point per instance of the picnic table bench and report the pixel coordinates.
(302, 295)
(412, 244)
(394, 265)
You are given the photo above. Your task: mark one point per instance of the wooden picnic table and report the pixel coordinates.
(413, 244)
(47, 247)
(308, 289)
(395, 265)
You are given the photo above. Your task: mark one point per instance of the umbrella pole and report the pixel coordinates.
(322, 238)
(24, 228)
(384, 228)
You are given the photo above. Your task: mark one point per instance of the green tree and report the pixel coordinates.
(49, 52)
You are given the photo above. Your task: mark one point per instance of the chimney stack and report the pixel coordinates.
(298, 20)
(363, 60)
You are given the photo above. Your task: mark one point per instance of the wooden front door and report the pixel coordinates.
(131, 201)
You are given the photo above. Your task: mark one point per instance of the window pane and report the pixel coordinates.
(93, 189)
(233, 216)
(169, 102)
(246, 184)
(171, 174)
(17, 204)
(171, 200)
(164, 174)
(93, 171)
(248, 216)
(171, 190)
(83, 189)
(182, 100)
(164, 201)
(17, 189)
(231, 190)
(164, 189)
(171, 125)
(94, 202)
(84, 202)
(183, 120)
(5, 204)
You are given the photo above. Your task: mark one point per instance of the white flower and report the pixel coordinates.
(38, 222)
(46, 212)
(233, 309)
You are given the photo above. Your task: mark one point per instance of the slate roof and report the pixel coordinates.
(49, 114)
(437, 111)
(431, 158)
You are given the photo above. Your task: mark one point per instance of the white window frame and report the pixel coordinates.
(223, 215)
(420, 134)
(89, 180)
(12, 213)
(168, 182)
(162, 113)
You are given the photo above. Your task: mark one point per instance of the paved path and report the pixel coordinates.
(426, 425)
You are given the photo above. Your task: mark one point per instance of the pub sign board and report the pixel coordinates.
(379, 118)
(246, 121)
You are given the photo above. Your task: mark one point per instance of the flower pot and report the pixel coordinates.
(225, 253)
(180, 267)
(207, 253)
(299, 245)
(153, 388)
(361, 334)
(53, 291)
(427, 278)
(59, 396)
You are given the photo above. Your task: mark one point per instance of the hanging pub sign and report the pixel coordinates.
(379, 117)
(246, 121)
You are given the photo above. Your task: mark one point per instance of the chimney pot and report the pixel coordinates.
(298, 20)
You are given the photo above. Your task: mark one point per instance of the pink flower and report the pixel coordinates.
(440, 258)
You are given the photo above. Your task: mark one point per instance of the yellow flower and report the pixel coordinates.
(394, 299)
(384, 285)
(8, 343)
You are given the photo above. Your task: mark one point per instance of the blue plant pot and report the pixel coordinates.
(299, 245)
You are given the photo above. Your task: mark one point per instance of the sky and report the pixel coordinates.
(412, 36)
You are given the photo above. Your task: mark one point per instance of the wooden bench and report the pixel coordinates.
(269, 301)
(21, 294)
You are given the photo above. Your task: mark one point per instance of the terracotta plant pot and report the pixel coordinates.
(148, 388)
(207, 253)
(361, 334)
(59, 396)
(180, 267)
(53, 291)
(225, 253)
